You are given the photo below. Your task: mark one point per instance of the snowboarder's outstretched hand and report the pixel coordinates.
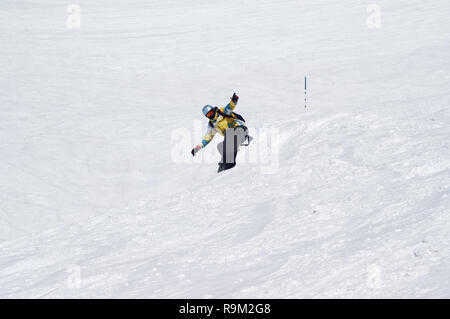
(234, 98)
(195, 150)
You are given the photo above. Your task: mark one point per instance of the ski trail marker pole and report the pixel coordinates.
(305, 91)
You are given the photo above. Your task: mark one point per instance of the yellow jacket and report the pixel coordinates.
(221, 123)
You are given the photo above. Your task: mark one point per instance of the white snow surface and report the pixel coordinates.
(93, 205)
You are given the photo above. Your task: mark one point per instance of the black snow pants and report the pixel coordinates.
(234, 138)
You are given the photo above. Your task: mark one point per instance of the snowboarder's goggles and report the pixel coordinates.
(211, 113)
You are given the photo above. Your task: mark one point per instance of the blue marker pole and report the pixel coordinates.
(305, 91)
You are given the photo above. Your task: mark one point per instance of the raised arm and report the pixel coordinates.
(230, 106)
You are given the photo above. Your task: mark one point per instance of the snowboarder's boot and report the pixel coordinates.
(247, 140)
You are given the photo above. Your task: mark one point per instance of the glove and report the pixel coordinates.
(234, 98)
(195, 150)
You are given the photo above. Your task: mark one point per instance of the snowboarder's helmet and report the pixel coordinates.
(209, 111)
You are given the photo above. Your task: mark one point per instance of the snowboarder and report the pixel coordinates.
(229, 124)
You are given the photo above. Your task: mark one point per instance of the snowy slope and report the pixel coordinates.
(93, 204)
